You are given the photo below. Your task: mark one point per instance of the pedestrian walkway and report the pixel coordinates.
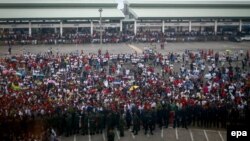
(170, 134)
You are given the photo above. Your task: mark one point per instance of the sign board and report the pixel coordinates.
(246, 24)
(14, 26)
(107, 25)
(176, 24)
(228, 23)
(203, 23)
(76, 25)
(149, 24)
(45, 25)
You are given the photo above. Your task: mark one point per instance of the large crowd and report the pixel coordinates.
(50, 94)
(20, 38)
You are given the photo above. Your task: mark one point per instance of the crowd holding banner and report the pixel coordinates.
(42, 95)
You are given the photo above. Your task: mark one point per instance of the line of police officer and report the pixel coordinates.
(93, 121)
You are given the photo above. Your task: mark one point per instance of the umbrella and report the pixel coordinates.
(133, 87)
(13, 60)
(18, 74)
(52, 81)
(15, 87)
(5, 72)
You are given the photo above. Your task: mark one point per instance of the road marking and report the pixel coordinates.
(74, 137)
(161, 132)
(176, 133)
(133, 135)
(89, 131)
(220, 136)
(103, 136)
(148, 135)
(214, 131)
(118, 136)
(138, 50)
(191, 135)
(89, 137)
(205, 133)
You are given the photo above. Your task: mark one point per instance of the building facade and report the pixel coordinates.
(188, 16)
(59, 15)
(76, 16)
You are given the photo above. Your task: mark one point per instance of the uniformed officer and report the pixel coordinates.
(121, 126)
(148, 122)
(128, 119)
(68, 128)
(84, 123)
(92, 123)
(166, 113)
(110, 134)
(136, 124)
(184, 118)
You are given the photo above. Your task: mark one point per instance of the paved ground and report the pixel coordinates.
(125, 48)
(169, 134)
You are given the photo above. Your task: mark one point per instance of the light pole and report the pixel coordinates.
(100, 10)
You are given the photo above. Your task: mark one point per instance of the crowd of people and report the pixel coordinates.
(85, 37)
(50, 94)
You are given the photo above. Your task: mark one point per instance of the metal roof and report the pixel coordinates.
(153, 13)
(57, 3)
(187, 3)
(160, 9)
(59, 13)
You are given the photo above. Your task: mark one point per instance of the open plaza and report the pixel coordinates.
(155, 70)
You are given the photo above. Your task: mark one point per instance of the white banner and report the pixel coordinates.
(176, 24)
(202, 23)
(107, 25)
(228, 23)
(14, 25)
(76, 25)
(45, 25)
(149, 24)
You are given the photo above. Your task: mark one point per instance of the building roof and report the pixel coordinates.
(59, 9)
(152, 13)
(57, 3)
(151, 9)
(60, 13)
(186, 2)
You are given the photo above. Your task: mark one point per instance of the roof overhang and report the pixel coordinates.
(57, 3)
(60, 13)
(164, 13)
(187, 3)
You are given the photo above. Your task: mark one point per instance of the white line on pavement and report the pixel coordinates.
(176, 133)
(138, 50)
(89, 137)
(103, 136)
(220, 136)
(118, 136)
(205, 133)
(191, 135)
(74, 137)
(89, 131)
(209, 130)
(161, 132)
(148, 135)
(133, 135)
